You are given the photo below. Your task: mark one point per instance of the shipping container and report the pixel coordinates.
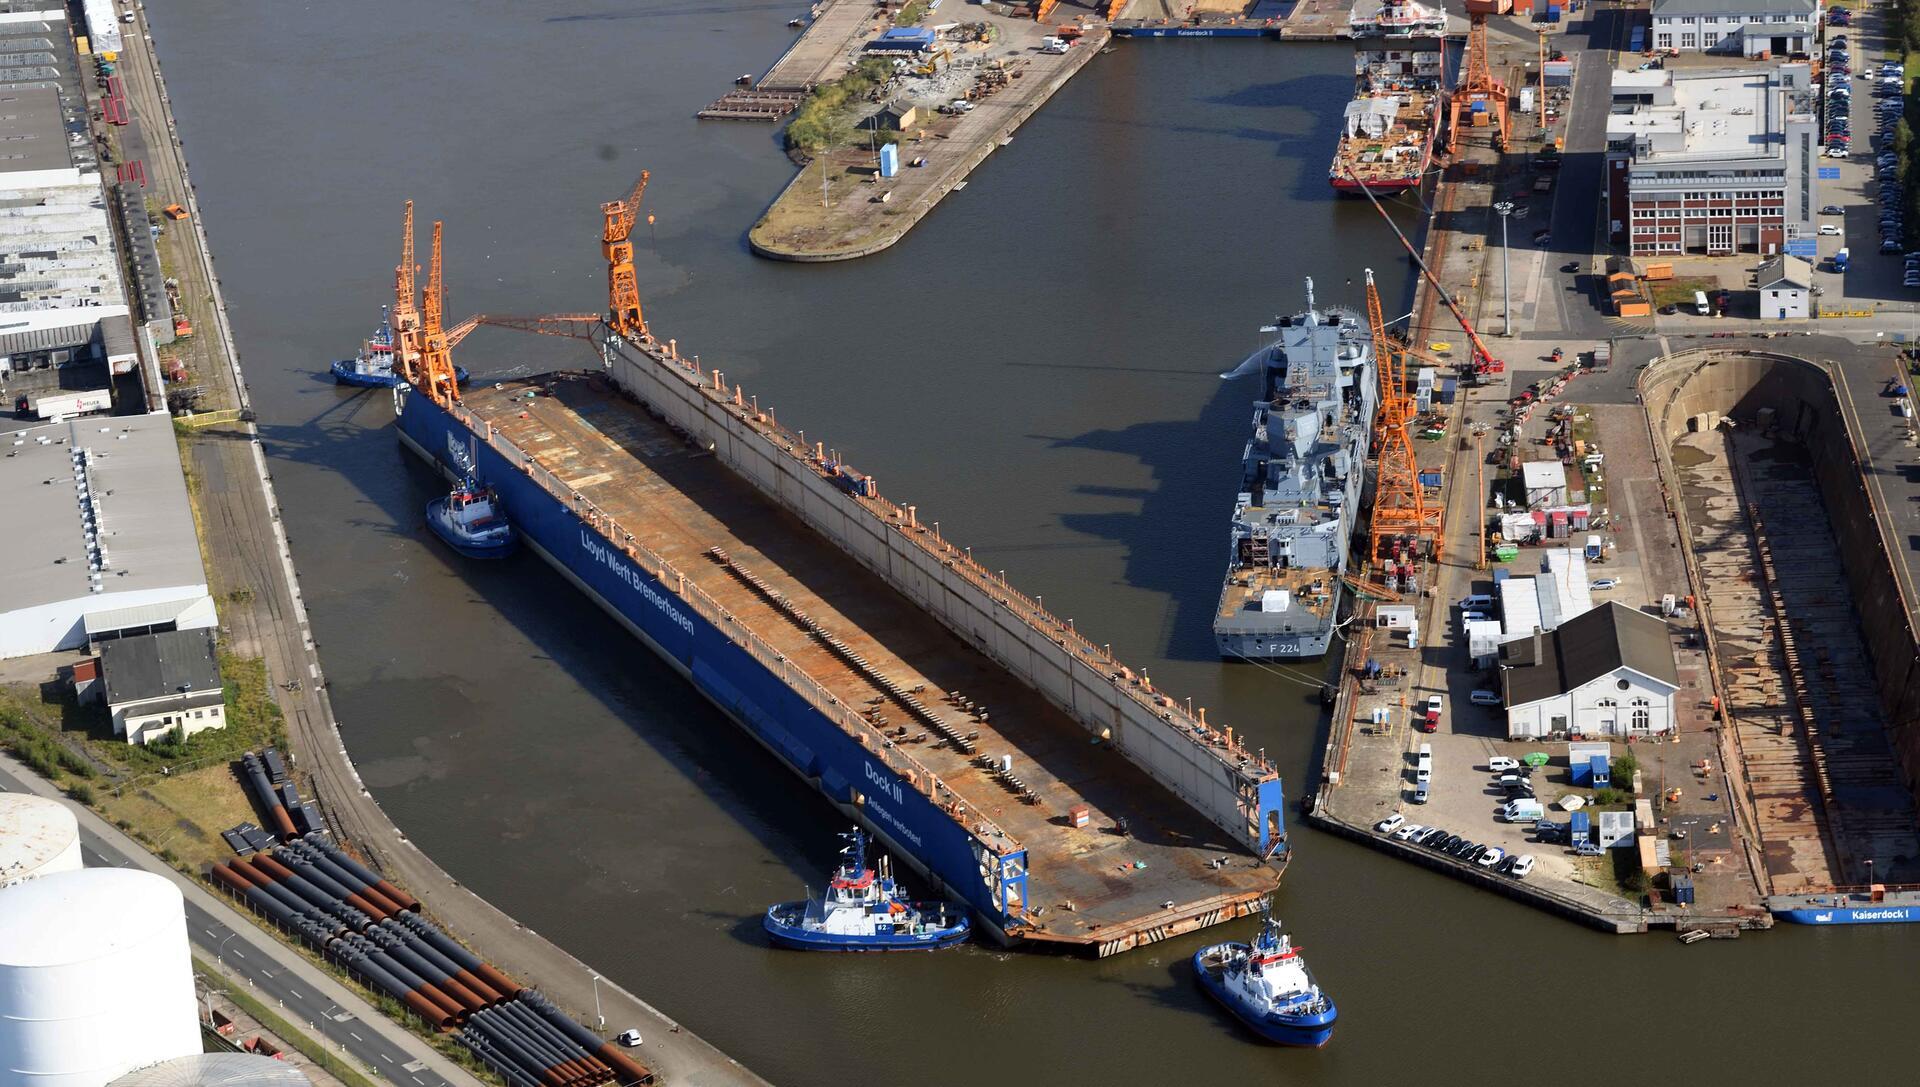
(1579, 828)
(1449, 387)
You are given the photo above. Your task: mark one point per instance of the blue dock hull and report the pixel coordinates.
(1312, 1031)
(1195, 32)
(1851, 915)
(771, 712)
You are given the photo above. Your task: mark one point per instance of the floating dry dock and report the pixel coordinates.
(1010, 760)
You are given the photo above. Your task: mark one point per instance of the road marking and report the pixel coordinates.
(210, 933)
(356, 1037)
(386, 1058)
(239, 954)
(294, 991)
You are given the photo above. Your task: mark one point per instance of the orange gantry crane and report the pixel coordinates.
(423, 346)
(1480, 97)
(616, 242)
(426, 358)
(1400, 507)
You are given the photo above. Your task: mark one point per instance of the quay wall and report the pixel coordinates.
(1694, 390)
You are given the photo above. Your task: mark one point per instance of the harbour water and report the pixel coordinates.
(1034, 366)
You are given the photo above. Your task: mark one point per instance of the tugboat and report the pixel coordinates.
(865, 910)
(471, 521)
(1268, 987)
(372, 367)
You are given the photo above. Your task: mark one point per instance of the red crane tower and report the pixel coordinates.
(1480, 96)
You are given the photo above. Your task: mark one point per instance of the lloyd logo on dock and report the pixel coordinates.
(627, 573)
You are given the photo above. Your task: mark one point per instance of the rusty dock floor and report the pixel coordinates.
(1088, 886)
(1831, 807)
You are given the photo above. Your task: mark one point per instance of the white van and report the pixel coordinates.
(1475, 602)
(1700, 304)
(1423, 770)
(1484, 697)
(1522, 811)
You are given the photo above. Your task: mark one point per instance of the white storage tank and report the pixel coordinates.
(38, 837)
(217, 1070)
(95, 979)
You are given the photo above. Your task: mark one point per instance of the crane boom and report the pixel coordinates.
(578, 326)
(1481, 355)
(405, 305)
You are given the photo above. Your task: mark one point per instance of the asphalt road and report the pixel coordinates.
(1578, 230)
(275, 974)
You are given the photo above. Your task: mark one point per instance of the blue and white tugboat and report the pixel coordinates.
(865, 910)
(471, 521)
(372, 367)
(1268, 987)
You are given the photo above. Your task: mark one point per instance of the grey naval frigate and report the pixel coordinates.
(1300, 484)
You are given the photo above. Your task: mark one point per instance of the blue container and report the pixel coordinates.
(1448, 388)
(1553, 13)
(1430, 479)
(1582, 773)
(1597, 771)
(1479, 107)
(1579, 828)
(890, 160)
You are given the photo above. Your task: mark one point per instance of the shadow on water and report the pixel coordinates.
(527, 596)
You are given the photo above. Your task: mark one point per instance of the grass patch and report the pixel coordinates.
(183, 813)
(314, 1049)
(824, 120)
(911, 14)
(1679, 290)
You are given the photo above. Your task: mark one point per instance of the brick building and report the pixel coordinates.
(1712, 162)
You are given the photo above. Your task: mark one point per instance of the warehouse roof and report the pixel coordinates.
(127, 492)
(1540, 474)
(1585, 648)
(148, 666)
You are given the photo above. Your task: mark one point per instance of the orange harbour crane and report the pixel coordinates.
(434, 371)
(623, 289)
(1478, 87)
(1399, 505)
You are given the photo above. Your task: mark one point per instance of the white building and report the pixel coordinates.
(1564, 592)
(1546, 483)
(100, 536)
(1483, 642)
(1519, 607)
(1607, 673)
(156, 683)
(1742, 27)
(1785, 286)
(1712, 161)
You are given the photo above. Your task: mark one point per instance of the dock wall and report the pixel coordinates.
(1235, 789)
(1696, 389)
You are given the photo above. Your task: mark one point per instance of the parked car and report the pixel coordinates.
(1493, 855)
(1607, 582)
(1500, 764)
(1390, 824)
(1409, 832)
(1523, 866)
(1484, 698)
(1505, 865)
(1828, 230)
(1423, 792)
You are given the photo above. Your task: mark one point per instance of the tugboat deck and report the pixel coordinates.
(1088, 886)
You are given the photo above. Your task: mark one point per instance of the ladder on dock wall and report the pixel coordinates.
(899, 693)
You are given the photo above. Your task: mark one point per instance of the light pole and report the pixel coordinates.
(1505, 208)
(219, 953)
(596, 1004)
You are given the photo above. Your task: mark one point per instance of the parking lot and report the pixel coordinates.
(1682, 776)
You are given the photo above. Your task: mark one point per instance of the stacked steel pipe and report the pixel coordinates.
(270, 803)
(374, 929)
